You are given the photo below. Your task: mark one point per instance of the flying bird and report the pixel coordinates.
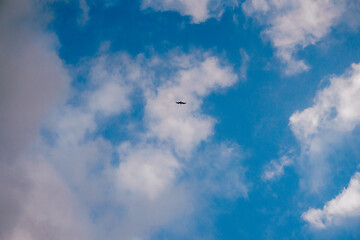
(180, 102)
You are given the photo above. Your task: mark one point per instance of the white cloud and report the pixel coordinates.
(293, 25)
(110, 99)
(48, 208)
(35, 203)
(199, 10)
(185, 126)
(54, 185)
(147, 170)
(334, 108)
(344, 207)
(333, 115)
(275, 168)
(147, 183)
(32, 75)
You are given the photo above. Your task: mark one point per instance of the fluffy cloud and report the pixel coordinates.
(199, 10)
(147, 184)
(184, 126)
(35, 203)
(293, 25)
(147, 170)
(58, 184)
(32, 75)
(333, 115)
(334, 110)
(344, 207)
(48, 209)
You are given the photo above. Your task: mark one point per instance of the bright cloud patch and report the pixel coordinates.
(164, 148)
(94, 146)
(335, 109)
(35, 203)
(335, 112)
(345, 206)
(148, 171)
(199, 10)
(293, 25)
(49, 209)
(185, 126)
(72, 182)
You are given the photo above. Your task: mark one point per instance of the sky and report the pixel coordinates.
(94, 146)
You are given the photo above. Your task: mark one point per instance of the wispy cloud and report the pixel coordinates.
(218, 171)
(84, 7)
(245, 59)
(199, 10)
(275, 168)
(293, 25)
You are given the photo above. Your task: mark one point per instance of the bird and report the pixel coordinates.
(180, 102)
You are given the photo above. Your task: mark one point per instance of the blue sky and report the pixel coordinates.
(93, 145)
